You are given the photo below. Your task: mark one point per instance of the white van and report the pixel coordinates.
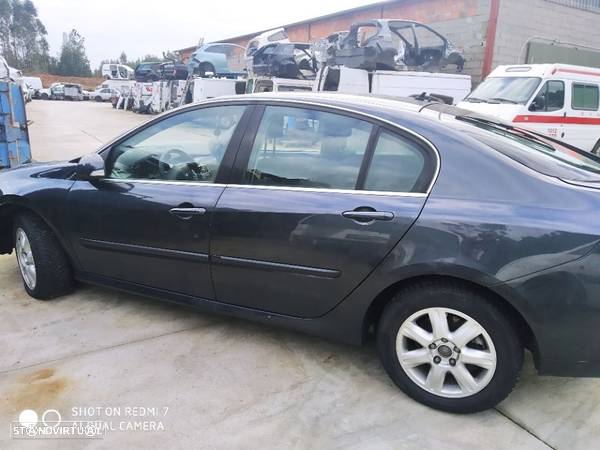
(558, 100)
(113, 71)
(199, 89)
(454, 87)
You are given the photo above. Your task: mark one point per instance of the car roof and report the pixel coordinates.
(398, 110)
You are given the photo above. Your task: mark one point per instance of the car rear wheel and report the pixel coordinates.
(449, 347)
(44, 266)
(205, 68)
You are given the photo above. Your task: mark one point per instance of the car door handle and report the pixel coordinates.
(187, 213)
(368, 216)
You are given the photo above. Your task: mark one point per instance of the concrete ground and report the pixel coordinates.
(229, 383)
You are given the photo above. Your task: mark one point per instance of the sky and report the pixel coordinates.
(140, 27)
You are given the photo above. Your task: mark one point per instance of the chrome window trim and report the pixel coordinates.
(306, 103)
(269, 188)
(325, 190)
(167, 182)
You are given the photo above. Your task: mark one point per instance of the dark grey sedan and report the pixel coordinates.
(455, 240)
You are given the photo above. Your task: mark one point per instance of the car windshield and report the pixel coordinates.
(537, 152)
(515, 90)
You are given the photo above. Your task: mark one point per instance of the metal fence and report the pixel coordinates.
(589, 5)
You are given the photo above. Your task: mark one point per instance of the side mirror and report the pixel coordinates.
(90, 167)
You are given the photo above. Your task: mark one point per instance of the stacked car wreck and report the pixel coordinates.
(384, 57)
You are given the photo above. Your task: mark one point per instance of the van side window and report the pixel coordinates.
(551, 97)
(585, 96)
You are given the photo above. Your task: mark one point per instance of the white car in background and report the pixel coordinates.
(104, 94)
(34, 85)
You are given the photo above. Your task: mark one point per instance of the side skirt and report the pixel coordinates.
(324, 326)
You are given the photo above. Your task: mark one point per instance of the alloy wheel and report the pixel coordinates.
(446, 352)
(25, 259)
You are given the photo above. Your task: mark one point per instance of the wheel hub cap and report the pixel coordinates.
(446, 352)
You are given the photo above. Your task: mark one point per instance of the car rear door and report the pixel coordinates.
(147, 222)
(319, 199)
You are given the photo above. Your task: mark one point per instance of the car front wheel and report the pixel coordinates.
(44, 266)
(449, 347)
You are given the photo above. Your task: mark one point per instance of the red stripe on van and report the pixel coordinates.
(557, 119)
(579, 72)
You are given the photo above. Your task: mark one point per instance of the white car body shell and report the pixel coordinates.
(396, 83)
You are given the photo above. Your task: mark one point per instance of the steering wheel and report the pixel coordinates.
(175, 164)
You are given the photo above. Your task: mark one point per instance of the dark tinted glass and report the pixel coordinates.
(397, 165)
(307, 148)
(186, 147)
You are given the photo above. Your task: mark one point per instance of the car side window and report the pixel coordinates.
(398, 164)
(585, 97)
(551, 97)
(299, 147)
(188, 146)
(214, 49)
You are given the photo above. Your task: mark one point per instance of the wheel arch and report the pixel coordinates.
(523, 327)
(12, 206)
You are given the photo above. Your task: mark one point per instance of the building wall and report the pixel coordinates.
(519, 21)
(464, 22)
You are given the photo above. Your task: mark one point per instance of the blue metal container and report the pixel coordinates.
(14, 136)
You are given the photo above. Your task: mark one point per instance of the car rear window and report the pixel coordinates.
(536, 152)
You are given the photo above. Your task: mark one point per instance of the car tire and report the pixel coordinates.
(205, 68)
(431, 369)
(36, 246)
(45, 97)
(98, 98)
(596, 149)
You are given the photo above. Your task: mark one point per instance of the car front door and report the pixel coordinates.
(320, 200)
(147, 221)
(547, 110)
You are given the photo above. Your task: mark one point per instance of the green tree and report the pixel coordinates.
(72, 60)
(23, 36)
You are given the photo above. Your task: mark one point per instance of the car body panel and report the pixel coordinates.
(488, 220)
(292, 252)
(220, 57)
(390, 44)
(117, 242)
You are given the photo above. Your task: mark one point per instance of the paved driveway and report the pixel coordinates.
(216, 382)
